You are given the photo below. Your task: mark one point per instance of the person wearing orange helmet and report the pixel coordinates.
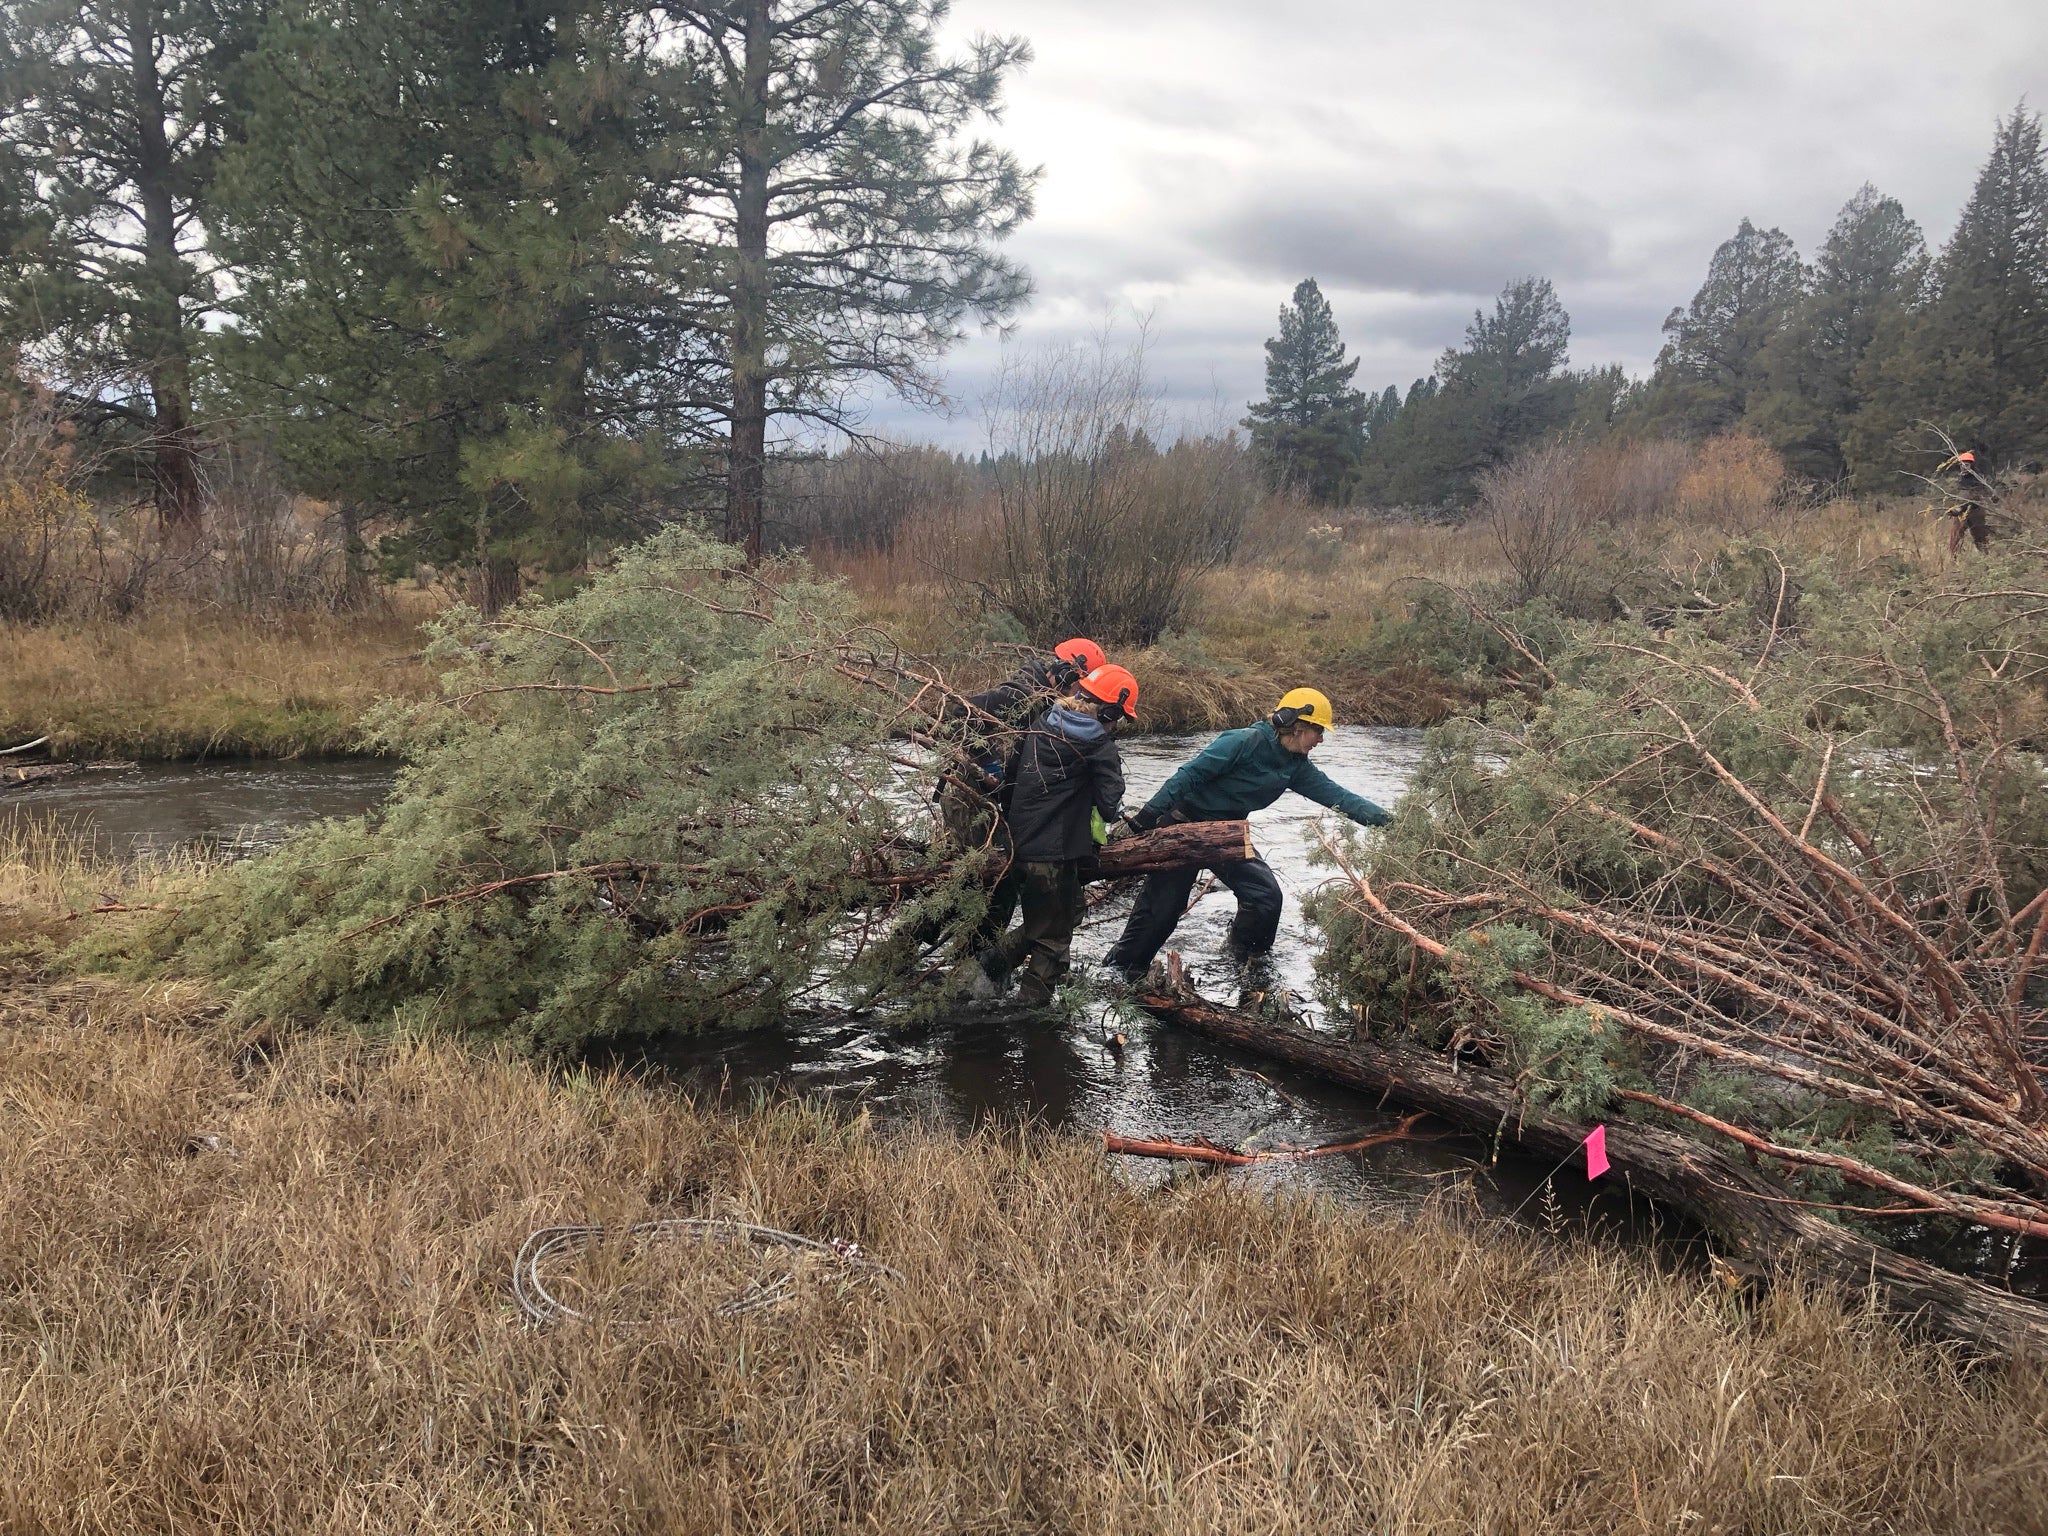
(1967, 494)
(1064, 777)
(970, 784)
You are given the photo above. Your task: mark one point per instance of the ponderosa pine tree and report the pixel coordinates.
(1308, 430)
(1871, 266)
(1713, 360)
(115, 113)
(1973, 359)
(461, 310)
(847, 224)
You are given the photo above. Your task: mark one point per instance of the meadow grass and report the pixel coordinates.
(260, 1281)
(188, 683)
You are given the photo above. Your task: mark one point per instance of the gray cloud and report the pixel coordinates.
(1446, 242)
(1200, 158)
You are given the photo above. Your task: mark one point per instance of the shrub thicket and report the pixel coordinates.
(1772, 866)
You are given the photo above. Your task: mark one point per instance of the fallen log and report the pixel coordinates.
(1184, 845)
(25, 774)
(1230, 1157)
(1747, 1215)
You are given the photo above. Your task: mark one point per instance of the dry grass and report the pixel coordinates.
(304, 1325)
(183, 683)
(261, 1283)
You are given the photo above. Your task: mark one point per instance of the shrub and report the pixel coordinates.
(1095, 529)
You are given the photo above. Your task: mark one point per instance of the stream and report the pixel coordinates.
(978, 1065)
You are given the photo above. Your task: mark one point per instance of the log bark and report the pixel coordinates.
(1185, 845)
(1746, 1214)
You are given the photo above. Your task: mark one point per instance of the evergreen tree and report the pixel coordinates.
(462, 307)
(115, 113)
(1871, 266)
(1713, 360)
(1505, 388)
(1974, 358)
(1308, 430)
(1381, 411)
(848, 227)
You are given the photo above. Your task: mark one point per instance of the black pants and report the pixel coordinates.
(1051, 895)
(1163, 901)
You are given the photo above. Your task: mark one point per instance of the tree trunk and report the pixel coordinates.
(494, 584)
(1186, 845)
(747, 455)
(1747, 1215)
(166, 359)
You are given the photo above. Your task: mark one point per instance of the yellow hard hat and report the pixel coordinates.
(1307, 707)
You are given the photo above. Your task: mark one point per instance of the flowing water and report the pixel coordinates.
(994, 1064)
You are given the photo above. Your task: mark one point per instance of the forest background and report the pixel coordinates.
(314, 327)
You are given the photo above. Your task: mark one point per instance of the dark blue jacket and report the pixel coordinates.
(1245, 771)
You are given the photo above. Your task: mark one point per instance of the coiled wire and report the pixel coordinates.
(547, 1244)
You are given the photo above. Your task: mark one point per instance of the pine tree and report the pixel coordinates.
(462, 310)
(1871, 266)
(1307, 432)
(1504, 389)
(1712, 362)
(115, 113)
(848, 225)
(1974, 359)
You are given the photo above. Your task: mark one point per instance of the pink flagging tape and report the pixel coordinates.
(1596, 1152)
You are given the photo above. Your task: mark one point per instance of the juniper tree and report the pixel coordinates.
(1308, 430)
(669, 802)
(1974, 358)
(115, 115)
(1867, 273)
(1712, 362)
(1772, 870)
(1504, 389)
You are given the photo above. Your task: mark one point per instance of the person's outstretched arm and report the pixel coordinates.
(1311, 781)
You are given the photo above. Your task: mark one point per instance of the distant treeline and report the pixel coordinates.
(1850, 367)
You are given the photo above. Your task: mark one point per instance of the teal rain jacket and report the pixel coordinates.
(1247, 770)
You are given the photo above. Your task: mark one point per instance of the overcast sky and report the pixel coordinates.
(1200, 157)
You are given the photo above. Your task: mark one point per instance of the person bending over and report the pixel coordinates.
(1065, 772)
(985, 729)
(1239, 772)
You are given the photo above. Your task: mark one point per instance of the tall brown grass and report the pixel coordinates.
(182, 682)
(261, 1284)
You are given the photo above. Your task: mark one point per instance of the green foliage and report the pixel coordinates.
(115, 114)
(1308, 431)
(1974, 358)
(459, 306)
(661, 804)
(1687, 789)
(1867, 275)
(1505, 389)
(1714, 359)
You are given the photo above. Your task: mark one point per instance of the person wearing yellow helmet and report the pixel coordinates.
(1239, 772)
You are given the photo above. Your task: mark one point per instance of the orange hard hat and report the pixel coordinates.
(1113, 685)
(1966, 457)
(1085, 654)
